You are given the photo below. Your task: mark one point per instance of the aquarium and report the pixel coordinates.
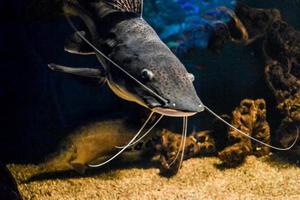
(130, 99)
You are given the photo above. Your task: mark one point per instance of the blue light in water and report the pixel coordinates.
(186, 24)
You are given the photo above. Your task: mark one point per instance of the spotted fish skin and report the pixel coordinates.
(135, 45)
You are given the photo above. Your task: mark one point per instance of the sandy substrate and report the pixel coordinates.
(199, 178)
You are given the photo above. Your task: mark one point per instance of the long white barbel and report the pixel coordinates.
(185, 122)
(125, 147)
(184, 129)
(252, 138)
(139, 139)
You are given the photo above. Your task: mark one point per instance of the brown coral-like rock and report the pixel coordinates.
(205, 141)
(286, 135)
(249, 117)
(282, 71)
(170, 149)
(261, 129)
(246, 26)
(256, 20)
(281, 82)
(281, 49)
(291, 107)
(235, 154)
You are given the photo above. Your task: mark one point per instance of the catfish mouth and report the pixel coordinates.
(172, 112)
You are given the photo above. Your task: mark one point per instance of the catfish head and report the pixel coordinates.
(149, 60)
(139, 66)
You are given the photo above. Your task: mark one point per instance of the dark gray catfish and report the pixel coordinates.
(138, 67)
(152, 75)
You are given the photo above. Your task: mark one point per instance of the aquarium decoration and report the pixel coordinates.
(250, 116)
(280, 44)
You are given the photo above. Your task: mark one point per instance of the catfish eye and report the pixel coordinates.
(191, 77)
(147, 75)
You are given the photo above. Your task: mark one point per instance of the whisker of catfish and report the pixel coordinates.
(180, 146)
(185, 119)
(125, 147)
(145, 134)
(252, 138)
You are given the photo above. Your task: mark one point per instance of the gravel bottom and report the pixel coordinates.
(199, 178)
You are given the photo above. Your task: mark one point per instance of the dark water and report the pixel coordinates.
(38, 105)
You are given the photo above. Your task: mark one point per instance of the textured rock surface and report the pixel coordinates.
(249, 117)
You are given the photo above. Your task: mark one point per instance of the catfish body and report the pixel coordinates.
(139, 49)
(127, 39)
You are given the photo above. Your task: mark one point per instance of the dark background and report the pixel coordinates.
(38, 106)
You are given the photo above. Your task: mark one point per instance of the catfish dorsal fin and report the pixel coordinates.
(134, 6)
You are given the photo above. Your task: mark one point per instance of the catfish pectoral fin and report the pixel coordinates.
(86, 72)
